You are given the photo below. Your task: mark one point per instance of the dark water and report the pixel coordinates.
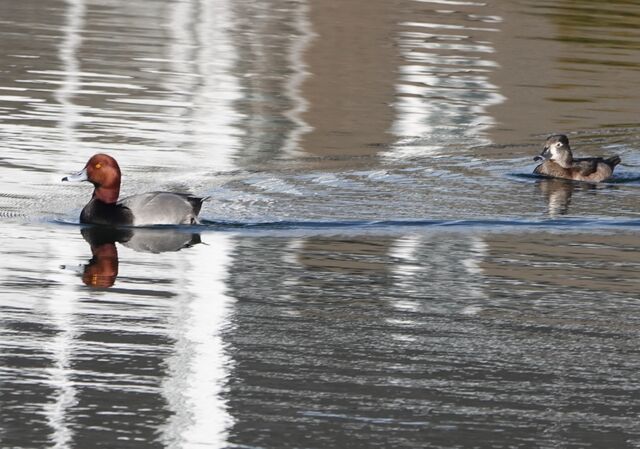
(376, 266)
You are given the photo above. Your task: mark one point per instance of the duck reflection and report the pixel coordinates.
(102, 269)
(558, 194)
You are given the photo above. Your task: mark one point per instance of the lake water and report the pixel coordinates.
(376, 265)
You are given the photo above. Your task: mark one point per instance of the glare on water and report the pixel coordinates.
(376, 265)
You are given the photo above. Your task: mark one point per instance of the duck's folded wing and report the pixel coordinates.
(586, 166)
(160, 208)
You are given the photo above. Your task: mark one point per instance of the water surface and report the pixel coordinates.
(376, 266)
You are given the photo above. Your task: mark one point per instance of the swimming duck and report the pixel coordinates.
(152, 208)
(560, 163)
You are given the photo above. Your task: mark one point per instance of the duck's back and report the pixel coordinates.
(160, 208)
(594, 168)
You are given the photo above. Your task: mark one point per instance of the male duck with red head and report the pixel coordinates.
(153, 208)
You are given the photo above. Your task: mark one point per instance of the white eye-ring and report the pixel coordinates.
(558, 144)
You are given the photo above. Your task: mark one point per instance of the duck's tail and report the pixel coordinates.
(196, 203)
(613, 161)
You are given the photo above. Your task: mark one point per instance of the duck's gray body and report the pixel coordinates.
(158, 208)
(145, 209)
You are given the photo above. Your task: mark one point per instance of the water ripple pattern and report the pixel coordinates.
(444, 89)
(376, 265)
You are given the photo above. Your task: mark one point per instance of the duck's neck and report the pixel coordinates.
(108, 195)
(564, 160)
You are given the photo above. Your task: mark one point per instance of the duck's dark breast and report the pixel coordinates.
(98, 212)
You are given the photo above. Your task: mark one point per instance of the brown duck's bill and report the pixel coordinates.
(77, 177)
(546, 154)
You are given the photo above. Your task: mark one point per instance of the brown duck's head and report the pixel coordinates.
(556, 148)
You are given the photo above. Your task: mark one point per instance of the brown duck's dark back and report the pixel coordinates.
(613, 161)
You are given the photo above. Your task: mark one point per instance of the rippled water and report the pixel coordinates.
(376, 266)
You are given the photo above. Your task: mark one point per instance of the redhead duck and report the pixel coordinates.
(560, 163)
(152, 208)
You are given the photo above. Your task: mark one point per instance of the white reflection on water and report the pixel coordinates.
(200, 365)
(63, 304)
(60, 310)
(444, 91)
(196, 118)
(70, 84)
(293, 86)
(405, 250)
(478, 252)
(214, 117)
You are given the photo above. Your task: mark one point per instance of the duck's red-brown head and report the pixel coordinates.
(104, 173)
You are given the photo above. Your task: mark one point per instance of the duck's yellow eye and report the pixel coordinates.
(98, 165)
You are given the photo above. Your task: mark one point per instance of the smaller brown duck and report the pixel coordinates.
(560, 163)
